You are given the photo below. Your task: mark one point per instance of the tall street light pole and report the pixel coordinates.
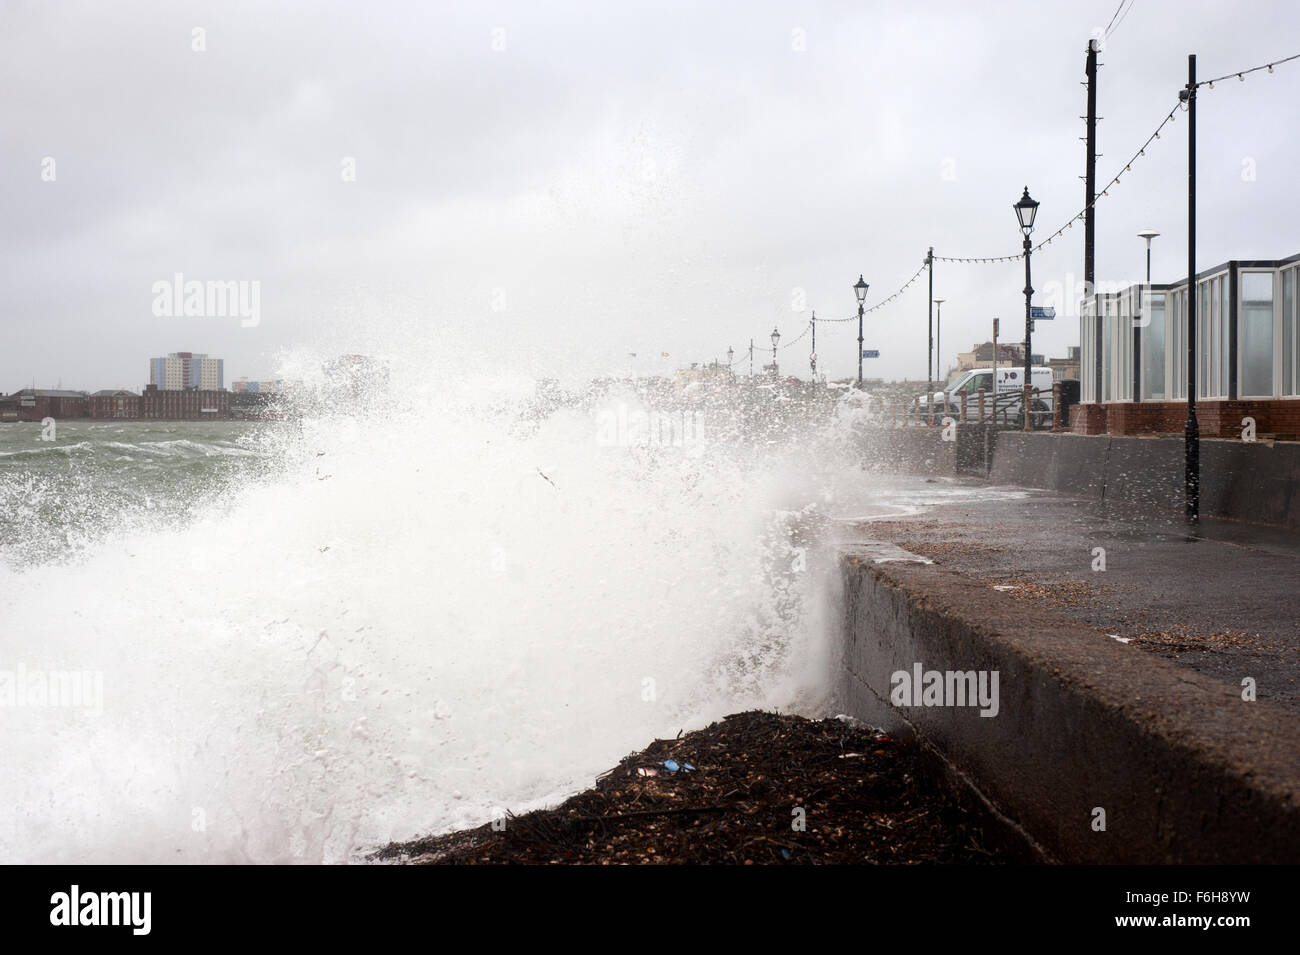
(776, 337)
(1143, 309)
(1148, 234)
(1191, 430)
(938, 337)
(812, 359)
(929, 354)
(731, 354)
(860, 289)
(1026, 210)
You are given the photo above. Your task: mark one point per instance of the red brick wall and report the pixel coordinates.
(183, 405)
(1088, 419)
(57, 408)
(111, 406)
(1215, 419)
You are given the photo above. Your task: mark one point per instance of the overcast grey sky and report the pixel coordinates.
(552, 186)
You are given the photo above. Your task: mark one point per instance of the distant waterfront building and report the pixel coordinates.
(244, 385)
(114, 404)
(981, 356)
(184, 405)
(36, 404)
(187, 371)
(1067, 367)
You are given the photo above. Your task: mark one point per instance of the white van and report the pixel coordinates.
(1010, 380)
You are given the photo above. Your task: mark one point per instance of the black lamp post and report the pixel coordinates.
(812, 355)
(860, 289)
(776, 337)
(730, 355)
(1026, 210)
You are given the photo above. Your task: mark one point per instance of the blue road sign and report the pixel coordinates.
(1039, 312)
(871, 353)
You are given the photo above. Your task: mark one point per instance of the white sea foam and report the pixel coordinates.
(419, 618)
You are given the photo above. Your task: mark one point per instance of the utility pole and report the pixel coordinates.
(995, 369)
(813, 359)
(929, 355)
(1090, 198)
(1191, 431)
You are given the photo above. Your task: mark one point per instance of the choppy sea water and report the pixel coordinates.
(311, 638)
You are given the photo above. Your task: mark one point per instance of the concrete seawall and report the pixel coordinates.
(969, 451)
(1257, 482)
(1184, 769)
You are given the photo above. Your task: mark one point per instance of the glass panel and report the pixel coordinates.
(1288, 332)
(1087, 328)
(1123, 338)
(1225, 337)
(1202, 338)
(1153, 349)
(1107, 350)
(1255, 334)
(1178, 370)
(1216, 339)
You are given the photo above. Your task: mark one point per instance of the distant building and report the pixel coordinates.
(182, 370)
(981, 356)
(1067, 367)
(189, 405)
(36, 404)
(257, 387)
(114, 404)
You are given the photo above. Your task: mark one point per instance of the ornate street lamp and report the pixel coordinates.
(1026, 211)
(860, 289)
(776, 337)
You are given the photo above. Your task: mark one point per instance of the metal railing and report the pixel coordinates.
(1004, 410)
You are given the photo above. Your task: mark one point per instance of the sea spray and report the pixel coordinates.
(417, 617)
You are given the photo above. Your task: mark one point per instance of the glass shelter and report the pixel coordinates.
(1134, 345)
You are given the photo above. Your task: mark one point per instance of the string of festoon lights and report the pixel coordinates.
(1242, 74)
(800, 335)
(1083, 213)
(1080, 216)
(881, 304)
(1128, 166)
